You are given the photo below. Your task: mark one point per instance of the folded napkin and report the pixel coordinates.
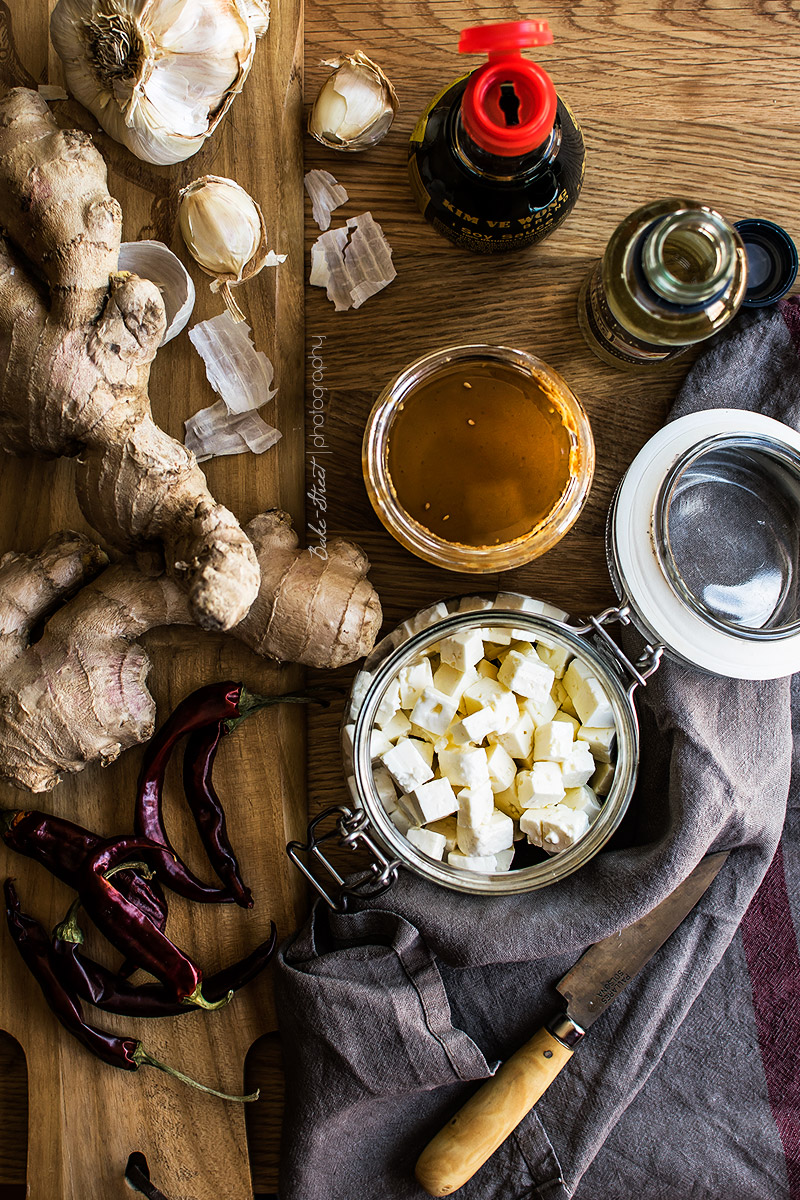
(689, 1085)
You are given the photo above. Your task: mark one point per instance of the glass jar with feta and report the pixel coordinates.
(491, 745)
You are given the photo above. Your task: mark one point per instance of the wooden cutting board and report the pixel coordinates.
(85, 1118)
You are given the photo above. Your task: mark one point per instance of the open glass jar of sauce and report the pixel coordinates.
(703, 544)
(478, 458)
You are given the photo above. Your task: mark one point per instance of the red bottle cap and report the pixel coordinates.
(509, 104)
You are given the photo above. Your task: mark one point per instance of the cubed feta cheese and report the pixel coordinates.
(358, 691)
(424, 748)
(412, 681)
(504, 859)
(402, 820)
(497, 635)
(475, 805)
(540, 786)
(578, 767)
(485, 864)
(507, 802)
(347, 738)
(572, 721)
(526, 675)
(434, 711)
(465, 767)
(554, 741)
(495, 834)
(502, 768)
(482, 694)
(557, 657)
(518, 740)
(406, 765)
(591, 703)
(599, 739)
(476, 726)
(540, 711)
(423, 735)
(530, 824)
(389, 704)
(474, 604)
(399, 726)
(378, 743)
(562, 698)
(446, 826)
(430, 843)
(486, 669)
(385, 788)
(561, 827)
(462, 650)
(428, 616)
(434, 800)
(453, 683)
(603, 778)
(582, 799)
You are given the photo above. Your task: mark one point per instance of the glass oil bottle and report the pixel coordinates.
(674, 273)
(496, 160)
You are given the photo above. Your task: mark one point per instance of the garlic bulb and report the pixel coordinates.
(224, 232)
(159, 75)
(355, 106)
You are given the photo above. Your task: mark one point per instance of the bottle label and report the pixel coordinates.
(418, 135)
(612, 336)
(483, 235)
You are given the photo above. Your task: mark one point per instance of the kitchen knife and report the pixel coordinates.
(598, 977)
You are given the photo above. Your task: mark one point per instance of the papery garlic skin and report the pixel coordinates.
(221, 225)
(158, 75)
(355, 106)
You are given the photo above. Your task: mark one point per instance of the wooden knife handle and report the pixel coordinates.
(488, 1117)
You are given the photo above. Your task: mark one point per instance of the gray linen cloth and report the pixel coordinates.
(689, 1085)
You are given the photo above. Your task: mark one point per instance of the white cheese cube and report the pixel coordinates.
(483, 694)
(423, 735)
(434, 711)
(518, 740)
(465, 767)
(540, 711)
(582, 799)
(347, 738)
(554, 741)
(399, 726)
(600, 741)
(541, 786)
(402, 820)
(496, 635)
(430, 843)
(453, 683)
(485, 864)
(526, 675)
(562, 698)
(572, 721)
(389, 704)
(446, 826)
(557, 657)
(428, 616)
(475, 806)
(530, 824)
(486, 669)
(492, 651)
(385, 788)
(359, 690)
(561, 827)
(412, 681)
(504, 859)
(474, 603)
(578, 767)
(507, 802)
(603, 778)
(502, 768)
(424, 748)
(378, 743)
(406, 765)
(591, 702)
(495, 834)
(480, 724)
(462, 650)
(527, 604)
(434, 800)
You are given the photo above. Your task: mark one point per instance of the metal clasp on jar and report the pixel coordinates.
(351, 830)
(647, 662)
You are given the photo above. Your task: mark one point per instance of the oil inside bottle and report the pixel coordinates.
(480, 454)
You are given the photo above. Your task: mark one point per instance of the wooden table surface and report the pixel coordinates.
(684, 96)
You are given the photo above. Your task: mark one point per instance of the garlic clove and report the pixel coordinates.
(225, 233)
(158, 75)
(156, 262)
(355, 106)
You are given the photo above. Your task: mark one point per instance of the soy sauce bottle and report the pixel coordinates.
(496, 160)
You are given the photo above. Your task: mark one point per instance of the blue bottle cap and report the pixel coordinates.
(771, 261)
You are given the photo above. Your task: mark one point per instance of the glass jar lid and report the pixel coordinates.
(704, 542)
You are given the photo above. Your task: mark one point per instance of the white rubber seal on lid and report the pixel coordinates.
(673, 622)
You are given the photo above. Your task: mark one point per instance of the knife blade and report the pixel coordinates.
(598, 977)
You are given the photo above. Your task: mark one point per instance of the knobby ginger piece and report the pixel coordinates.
(352, 263)
(326, 194)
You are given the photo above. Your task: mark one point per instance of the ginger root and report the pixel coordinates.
(78, 695)
(75, 359)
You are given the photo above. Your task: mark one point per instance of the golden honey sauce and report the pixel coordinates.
(481, 453)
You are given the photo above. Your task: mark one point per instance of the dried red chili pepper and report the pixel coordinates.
(96, 984)
(208, 813)
(129, 930)
(128, 1054)
(64, 847)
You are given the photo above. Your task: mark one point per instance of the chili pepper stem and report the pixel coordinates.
(199, 1001)
(250, 702)
(7, 818)
(142, 1058)
(69, 930)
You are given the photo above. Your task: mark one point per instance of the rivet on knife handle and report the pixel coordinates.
(491, 1114)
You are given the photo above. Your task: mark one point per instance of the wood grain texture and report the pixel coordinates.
(85, 1118)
